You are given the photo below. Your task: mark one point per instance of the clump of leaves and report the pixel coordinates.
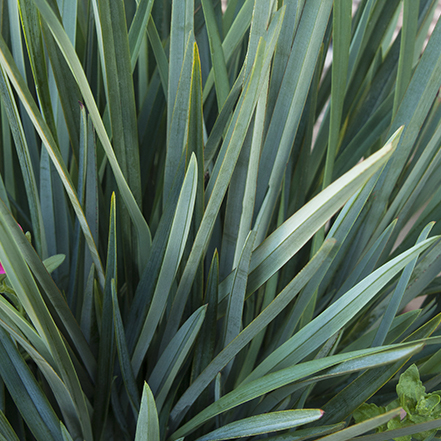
(419, 406)
(225, 225)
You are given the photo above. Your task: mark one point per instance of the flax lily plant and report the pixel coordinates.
(227, 211)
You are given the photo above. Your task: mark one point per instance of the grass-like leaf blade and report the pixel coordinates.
(147, 427)
(259, 424)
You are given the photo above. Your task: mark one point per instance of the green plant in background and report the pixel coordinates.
(418, 405)
(229, 211)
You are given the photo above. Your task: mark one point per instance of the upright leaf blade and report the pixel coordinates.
(107, 347)
(147, 427)
(143, 231)
(121, 95)
(253, 329)
(173, 255)
(9, 66)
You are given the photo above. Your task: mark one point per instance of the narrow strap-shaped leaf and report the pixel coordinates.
(147, 427)
(262, 12)
(107, 347)
(226, 170)
(9, 66)
(87, 317)
(221, 124)
(228, 15)
(65, 433)
(407, 47)
(141, 74)
(403, 432)
(258, 342)
(174, 355)
(397, 295)
(254, 328)
(354, 395)
(363, 427)
(426, 19)
(69, 11)
(64, 318)
(289, 107)
(299, 228)
(340, 53)
(160, 56)
(233, 39)
(195, 132)
(259, 424)
(3, 193)
(6, 429)
(281, 56)
(244, 113)
(299, 314)
(430, 212)
(205, 344)
(177, 132)
(26, 166)
(270, 39)
(359, 37)
(143, 231)
(345, 226)
(91, 207)
(33, 404)
(78, 238)
(367, 263)
(412, 112)
(234, 208)
(58, 388)
(47, 203)
(99, 36)
(17, 47)
(335, 316)
(146, 287)
(423, 274)
(379, 91)
(399, 326)
(62, 222)
(122, 112)
(249, 192)
(270, 382)
(416, 181)
(181, 27)
(236, 299)
(172, 258)
(195, 146)
(67, 93)
(34, 42)
(301, 434)
(221, 80)
(345, 368)
(27, 291)
(359, 144)
(16, 321)
(123, 354)
(121, 96)
(138, 28)
(61, 313)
